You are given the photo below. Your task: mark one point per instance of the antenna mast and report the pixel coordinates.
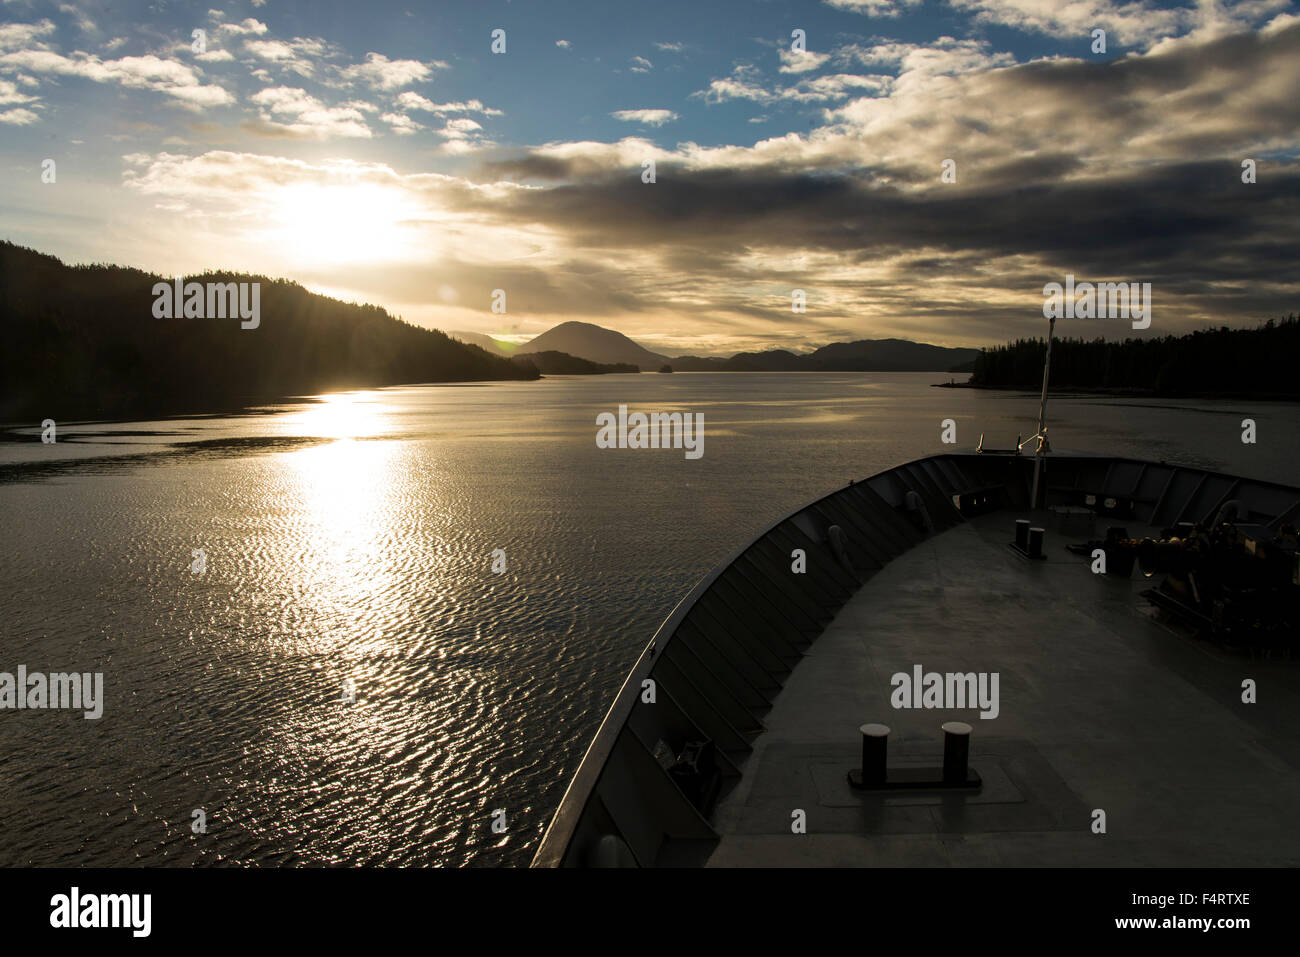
(1042, 416)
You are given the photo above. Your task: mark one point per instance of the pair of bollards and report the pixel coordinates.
(1029, 539)
(875, 773)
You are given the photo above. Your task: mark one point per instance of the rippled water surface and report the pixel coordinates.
(351, 537)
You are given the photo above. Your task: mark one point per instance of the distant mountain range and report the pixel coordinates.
(103, 342)
(597, 344)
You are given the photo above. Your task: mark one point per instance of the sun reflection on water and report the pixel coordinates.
(340, 415)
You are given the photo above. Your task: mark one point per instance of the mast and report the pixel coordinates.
(1042, 415)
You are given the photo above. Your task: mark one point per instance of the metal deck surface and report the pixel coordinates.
(1101, 707)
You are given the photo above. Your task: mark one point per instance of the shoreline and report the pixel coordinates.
(1123, 393)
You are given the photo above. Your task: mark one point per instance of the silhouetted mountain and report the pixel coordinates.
(594, 343)
(83, 342)
(889, 355)
(865, 355)
(493, 347)
(772, 360)
(561, 363)
(585, 340)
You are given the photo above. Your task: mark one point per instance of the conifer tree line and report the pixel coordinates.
(82, 341)
(1245, 362)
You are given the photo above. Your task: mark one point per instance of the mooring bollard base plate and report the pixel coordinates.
(1024, 553)
(912, 779)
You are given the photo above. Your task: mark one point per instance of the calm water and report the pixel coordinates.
(352, 538)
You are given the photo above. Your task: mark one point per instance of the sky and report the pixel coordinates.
(385, 153)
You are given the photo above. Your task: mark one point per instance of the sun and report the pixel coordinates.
(351, 223)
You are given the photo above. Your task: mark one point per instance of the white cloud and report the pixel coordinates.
(741, 86)
(299, 55)
(801, 61)
(640, 64)
(563, 44)
(645, 117)
(735, 87)
(675, 47)
(248, 27)
(166, 76)
(18, 117)
(410, 100)
(10, 96)
(838, 85)
(269, 49)
(401, 123)
(946, 56)
(382, 73)
(1137, 23)
(874, 8)
(462, 126)
(308, 116)
(19, 36)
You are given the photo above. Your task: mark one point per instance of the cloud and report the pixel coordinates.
(18, 117)
(299, 55)
(645, 117)
(462, 135)
(675, 47)
(166, 76)
(563, 44)
(944, 56)
(640, 64)
(1137, 23)
(382, 73)
(875, 8)
(11, 96)
(801, 61)
(410, 100)
(401, 123)
(738, 86)
(79, 17)
(248, 27)
(820, 89)
(307, 116)
(1120, 150)
(18, 36)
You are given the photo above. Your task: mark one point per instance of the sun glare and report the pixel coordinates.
(341, 415)
(344, 224)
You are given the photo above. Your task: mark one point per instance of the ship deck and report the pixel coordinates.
(1102, 706)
